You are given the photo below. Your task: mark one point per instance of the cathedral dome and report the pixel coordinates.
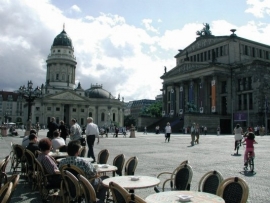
(96, 91)
(62, 40)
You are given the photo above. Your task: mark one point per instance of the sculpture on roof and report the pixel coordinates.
(205, 31)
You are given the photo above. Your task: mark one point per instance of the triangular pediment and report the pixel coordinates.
(67, 96)
(202, 42)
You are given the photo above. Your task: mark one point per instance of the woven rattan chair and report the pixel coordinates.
(30, 165)
(82, 151)
(131, 165)
(19, 159)
(119, 162)
(72, 169)
(3, 179)
(14, 179)
(233, 190)
(5, 163)
(132, 198)
(119, 193)
(87, 190)
(210, 181)
(5, 192)
(103, 156)
(180, 178)
(72, 187)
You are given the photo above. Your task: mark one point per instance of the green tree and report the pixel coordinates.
(154, 110)
(128, 120)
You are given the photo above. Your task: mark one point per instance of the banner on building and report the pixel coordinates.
(240, 116)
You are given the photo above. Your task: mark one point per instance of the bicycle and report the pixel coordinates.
(250, 162)
(238, 146)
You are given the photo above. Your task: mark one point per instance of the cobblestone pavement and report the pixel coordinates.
(155, 156)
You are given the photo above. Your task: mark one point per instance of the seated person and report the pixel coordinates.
(90, 171)
(25, 141)
(33, 143)
(46, 161)
(57, 141)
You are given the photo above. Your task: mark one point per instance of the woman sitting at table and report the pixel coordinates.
(57, 141)
(48, 164)
(90, 171)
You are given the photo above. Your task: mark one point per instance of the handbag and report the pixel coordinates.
(83, 141)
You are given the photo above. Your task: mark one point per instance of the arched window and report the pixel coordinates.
(90, 114)
(102, 116)
(113, 116)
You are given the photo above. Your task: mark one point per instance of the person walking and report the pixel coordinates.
(63, 130)
(238, 131)
(37, 128)
(75, 130)
(218, 130)
(92, 133)
(197, 133)
(145, 130)
(192, 131)
(205, 130)
(52, 126)
(168, 131)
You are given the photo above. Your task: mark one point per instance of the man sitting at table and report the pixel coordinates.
(25, 141)
(57, 141)
(90, 171)
(33, 146)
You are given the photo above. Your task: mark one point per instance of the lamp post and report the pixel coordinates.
(29, 94)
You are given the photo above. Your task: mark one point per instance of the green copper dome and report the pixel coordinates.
(62, 40)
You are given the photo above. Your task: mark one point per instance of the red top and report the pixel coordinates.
(249, 143)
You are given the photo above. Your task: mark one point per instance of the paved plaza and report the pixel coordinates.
(155, 156)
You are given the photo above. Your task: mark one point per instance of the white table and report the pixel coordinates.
(127, 183)
(84, 158)
(171, 197)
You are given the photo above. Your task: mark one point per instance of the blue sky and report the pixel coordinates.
(121, 44)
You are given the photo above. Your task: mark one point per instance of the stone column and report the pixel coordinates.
(201, 95)
(213, 94)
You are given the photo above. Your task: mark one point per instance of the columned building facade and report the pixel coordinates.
(219, 81)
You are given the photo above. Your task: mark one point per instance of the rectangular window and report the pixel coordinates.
(250, 101)
(260, 53)
(57, 109)
(217, 53)
(201, 56)
(74, 109)
(245, 101)
(57, 76)
(195, 58)
(82, 121)
(239, 84)
(223, 87)
(246, 50)
(221, 51)
(266, 55)
(239, 102)
(244, 84)
(205, 56)
(82, 110)
(198, 57)
(209, 55)
(253, 52)
(249, 83)
(49, 108)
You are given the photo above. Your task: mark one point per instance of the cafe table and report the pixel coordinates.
(84, 158)
(58, 155)
(129, 183)
(172, 197)
(104, 168)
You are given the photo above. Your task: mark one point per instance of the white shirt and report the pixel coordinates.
(168, 129)
(57, 142)
(92, 129)
(238, 133)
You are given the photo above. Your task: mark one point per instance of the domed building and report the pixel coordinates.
(62, 100)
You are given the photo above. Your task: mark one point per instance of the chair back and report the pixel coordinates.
(72, 169)
(19, 151)
(30, 159)
(233, 189)
(119, 162)
(88, 191)
(132, 198)
(4, 165)
(3, 179)
(184, 162)
(14, 179)
(119, 193)
(82, 151)
(182, 177)
(131, 166)
(103, 156)
(72, 186)
(5, 192)
(210, 181)
(63, 148)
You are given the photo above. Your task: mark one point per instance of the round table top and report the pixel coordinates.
(84, 158)
(127, 183)
(103, 168)
(171, 197)
(58, 155)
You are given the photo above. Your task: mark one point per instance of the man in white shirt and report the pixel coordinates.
(57, 141)
(92, 133)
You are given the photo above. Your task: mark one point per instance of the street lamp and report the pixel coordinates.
(29, 94)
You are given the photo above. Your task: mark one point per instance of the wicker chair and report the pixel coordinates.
(14, 179)
(119, 193)
(82, 151)
(103, 156)
(43, 183)
(87, 190)
(19, 159)
(72, 187)
(4, 165)
(119, 162)
(132, 198)
(72, 169)
(210, 181)
(233, 190)
(131, 166)
(180, 178)
(5, 192)
(30, 164)
(12, 156)
(3, 179)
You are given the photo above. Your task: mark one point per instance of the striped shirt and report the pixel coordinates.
(48, 164)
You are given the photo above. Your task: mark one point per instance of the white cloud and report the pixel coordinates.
(148, 26)
(75, 8)
(259, 8)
